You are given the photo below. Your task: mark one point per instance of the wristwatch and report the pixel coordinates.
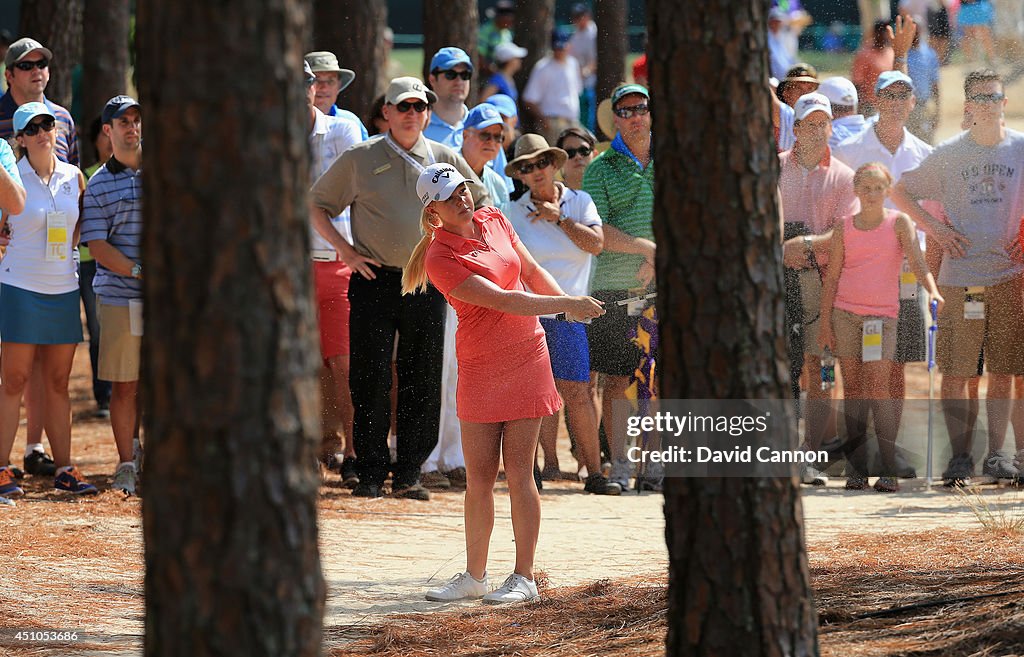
(561, 219)
(136, 270)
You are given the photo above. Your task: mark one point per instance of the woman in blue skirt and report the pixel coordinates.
(39, 294)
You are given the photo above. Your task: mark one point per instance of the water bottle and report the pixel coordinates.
(828, 370)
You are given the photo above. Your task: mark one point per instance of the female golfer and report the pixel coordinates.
(862, 285)
(39, 294)
(505, 383)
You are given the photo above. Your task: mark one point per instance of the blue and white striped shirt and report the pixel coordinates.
(112, 211)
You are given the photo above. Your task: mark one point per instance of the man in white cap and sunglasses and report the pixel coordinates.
(377, 180)
(27, 73)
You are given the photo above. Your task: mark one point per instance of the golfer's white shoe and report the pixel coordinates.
(515, 589)
(460, 587)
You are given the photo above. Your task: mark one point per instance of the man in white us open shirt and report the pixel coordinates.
(329, 137)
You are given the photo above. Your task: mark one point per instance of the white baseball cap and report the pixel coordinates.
(438, 182)
(839, 91)
(507, 50)
(810, 103)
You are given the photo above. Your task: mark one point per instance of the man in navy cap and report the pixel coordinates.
(552, 95)
(450, 73)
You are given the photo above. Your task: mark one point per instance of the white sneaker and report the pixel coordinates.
(138, 455)
(125, 479)
(621, 473)
(515, 589)
(810, 476)
(461, 587)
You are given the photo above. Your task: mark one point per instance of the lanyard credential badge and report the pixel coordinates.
(57, 243)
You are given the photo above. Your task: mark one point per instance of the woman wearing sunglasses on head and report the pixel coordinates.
(39, 292)
(561, 228)
(505, 386)
(578, 144)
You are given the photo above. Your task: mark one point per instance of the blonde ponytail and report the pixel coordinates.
(414, 275)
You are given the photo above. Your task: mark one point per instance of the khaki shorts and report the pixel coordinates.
(849, 331)
(810, 297)
(120, 351)
(1000, 334)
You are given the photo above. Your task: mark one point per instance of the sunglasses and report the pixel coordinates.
(28, 66)
(405, 106)
(32, 129)
(628, 112)
(982, 99)
(582, 150)
(894, 95)
(451, 75)
(540, 163)
(489, 136)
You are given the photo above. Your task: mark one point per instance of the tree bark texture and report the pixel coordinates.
(354, 31)
(452, 23)
(535, 20)
(57, 24)
(610, 16)
(230, 355)
(105, 71)
(738, 577)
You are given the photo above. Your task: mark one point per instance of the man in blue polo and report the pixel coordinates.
(451, 72)
(112, 227)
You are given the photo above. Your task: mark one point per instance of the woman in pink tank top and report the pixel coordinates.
(859, 307)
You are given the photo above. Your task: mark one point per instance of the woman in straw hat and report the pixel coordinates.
(505, 384)
(561, 228)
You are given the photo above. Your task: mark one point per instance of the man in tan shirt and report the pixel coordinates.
(377, 178)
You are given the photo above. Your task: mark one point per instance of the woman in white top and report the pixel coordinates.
(561, 227)
(39, 291)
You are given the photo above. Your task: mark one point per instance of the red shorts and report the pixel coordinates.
(331, 282)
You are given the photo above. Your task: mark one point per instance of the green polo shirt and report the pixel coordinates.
(624, 196)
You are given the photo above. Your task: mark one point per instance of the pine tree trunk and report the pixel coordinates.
(535, 20)
(229, 359)
(738, 577)
(612, 45)
(354, 31)
(57, 24)
(105, 71)
(452, 23)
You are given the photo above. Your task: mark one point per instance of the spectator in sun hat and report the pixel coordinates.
(508, 59)
(329, 137)
(846, 122)
(112, 228)
(451, 73)
(27, 72)
(373, 178)
(800, 79)
(39, 293)
(330, 81)
(551, 98)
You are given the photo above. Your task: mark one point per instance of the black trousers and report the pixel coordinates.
(378, 311)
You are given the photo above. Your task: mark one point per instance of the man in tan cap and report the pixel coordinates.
(331, 80)
(376, 179)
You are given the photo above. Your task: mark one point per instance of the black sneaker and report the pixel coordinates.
(414, 492)
(959, 471)
(349, 478)
(366, 490)
(598, 484)
(40, 464)
(16, 472)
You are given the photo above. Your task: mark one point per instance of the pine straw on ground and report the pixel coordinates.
(864, 586)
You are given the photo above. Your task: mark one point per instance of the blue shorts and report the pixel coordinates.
(33, 318)
(570, 353)
(979, 14)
